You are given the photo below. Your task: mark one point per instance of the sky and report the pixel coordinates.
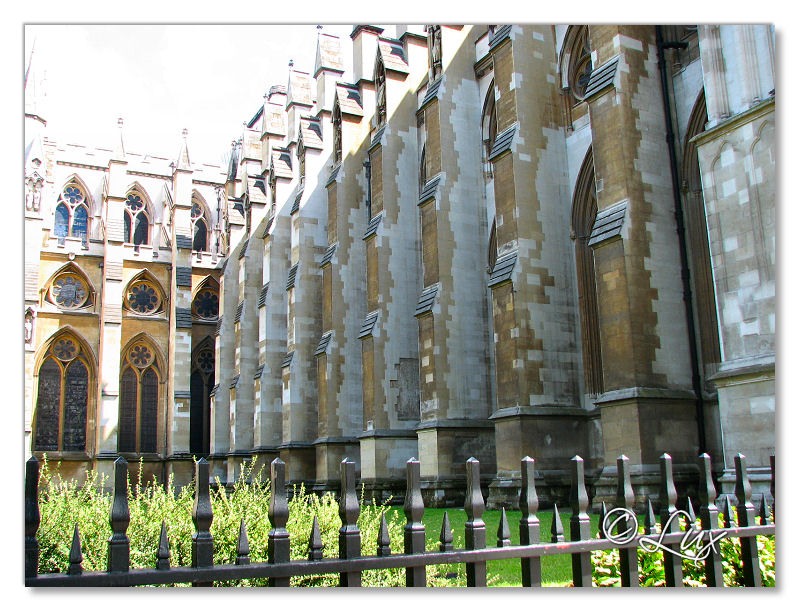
(160, 79)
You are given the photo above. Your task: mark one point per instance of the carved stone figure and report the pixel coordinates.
(435, 51)
(29, 316)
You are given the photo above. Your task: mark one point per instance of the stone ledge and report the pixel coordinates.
(544, 411)
(643, 393)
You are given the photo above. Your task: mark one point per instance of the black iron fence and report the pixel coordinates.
(279, 568)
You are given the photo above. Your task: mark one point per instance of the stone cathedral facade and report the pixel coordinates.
(481, 241)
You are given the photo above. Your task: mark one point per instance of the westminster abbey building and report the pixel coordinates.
(479, 241)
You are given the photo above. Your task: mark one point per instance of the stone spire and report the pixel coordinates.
(119, 148)
(183, 157)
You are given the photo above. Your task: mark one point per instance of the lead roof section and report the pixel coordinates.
(291, 277)
(426, 300)
(503, 269)
(282, 162)
(503, 142)
(328, 256)
(372, 226)
(323, 343)
(429, 190)
(431, 92)
(500, 34)
(311, 129)
(608, 223)
(349, 98)
(368, 324)
(287, 360)
(601, 77)
(393, 54)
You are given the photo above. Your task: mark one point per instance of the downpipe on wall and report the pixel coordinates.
(681, 230)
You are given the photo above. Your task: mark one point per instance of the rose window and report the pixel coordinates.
(140, 356)
(205, 361)
(65, 349)
(69, 291)
(206, 304)
(143, 298)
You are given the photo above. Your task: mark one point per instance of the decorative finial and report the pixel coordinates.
(119, 122)
(185, 133)
(291, 63)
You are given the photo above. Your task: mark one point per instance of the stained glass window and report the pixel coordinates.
(206, 304)
(69, 291)
(72, 215)
(143, 297)
(136, 222)
(62, 399)
(138, 401)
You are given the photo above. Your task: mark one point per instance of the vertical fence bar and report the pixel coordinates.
(474, 528)
(747, 518)
(772, 483)
(278, 513)
(580, 525)
(384, 548)
(628, 558)
(349, 535)
(709, 520)
(162, 554)
(242, 546)
(649, 518)
(503, 531)
(445, 535)
(557, 527)
(728, 520)
(414, 531)
(315, 548)
(75, 555)
(202, 517)
(673, 572)
(119, 552)
(529, 523)
(32, 517)
(763, 512)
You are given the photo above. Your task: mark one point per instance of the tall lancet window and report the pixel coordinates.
(199, 228)
(72, 215)
(137, 223)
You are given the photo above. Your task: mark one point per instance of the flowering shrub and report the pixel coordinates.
(605, 565)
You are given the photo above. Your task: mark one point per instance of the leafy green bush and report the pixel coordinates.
(605, 565)
(64, 504)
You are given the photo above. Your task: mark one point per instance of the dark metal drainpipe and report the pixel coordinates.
(368, 166)
(685, 276)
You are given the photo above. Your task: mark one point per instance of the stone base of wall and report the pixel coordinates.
(445, 447)
(300, 460)
(448, 492)
(646, 482)
(330, 453)
(383, 454)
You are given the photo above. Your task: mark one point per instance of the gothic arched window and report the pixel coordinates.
(584, 213)
(72, 215)
(301, 162)
(201, 383)
(576, 61)
(199, 227)
(143, 296)
(206, 302)
(62, 398)
(69, 291)
(138, 400)
(137, 223)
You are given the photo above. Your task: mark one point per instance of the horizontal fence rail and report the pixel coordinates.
(279, 568)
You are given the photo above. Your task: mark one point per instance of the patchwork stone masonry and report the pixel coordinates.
(474, 243)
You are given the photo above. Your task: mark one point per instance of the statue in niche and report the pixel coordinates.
(381, 90)
(33, 187)
(434, 51)
(29, 317)
(337, 135)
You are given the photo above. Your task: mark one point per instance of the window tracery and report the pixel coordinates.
(136, 222)
(380, 87)
(206, 303)
(72, 215)
(139, 400)
(434, 51)
(63, 394)
(143, 296)
(337, 134)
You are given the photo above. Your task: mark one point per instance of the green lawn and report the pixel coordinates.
(556, 570)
